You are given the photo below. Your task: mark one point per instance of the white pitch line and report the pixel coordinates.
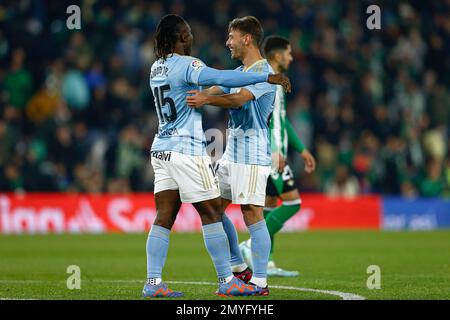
(343, 295)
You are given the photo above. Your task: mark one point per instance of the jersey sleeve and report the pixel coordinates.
(293, 139)
(260, 89)
(227, 90)
(193, 68)
(229, 78)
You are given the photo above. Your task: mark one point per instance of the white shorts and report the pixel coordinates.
(242, 183)
(193, 176)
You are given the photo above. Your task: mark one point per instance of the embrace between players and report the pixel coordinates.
(183, 169)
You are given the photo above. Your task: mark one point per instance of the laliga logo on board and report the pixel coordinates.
(27, 219)
(120, 214)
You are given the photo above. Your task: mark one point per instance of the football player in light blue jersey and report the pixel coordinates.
(246, 163)
(183, 171)
(248, 139)
(281, 183)
(180, 128)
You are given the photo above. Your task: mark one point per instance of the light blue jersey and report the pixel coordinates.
(180, 127)
(249, 138)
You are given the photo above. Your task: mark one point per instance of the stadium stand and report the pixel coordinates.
(77, 114)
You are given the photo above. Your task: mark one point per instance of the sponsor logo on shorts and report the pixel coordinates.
(161, 155)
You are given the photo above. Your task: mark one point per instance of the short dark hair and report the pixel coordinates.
(249, 25)
(274, 43)
(167, 33)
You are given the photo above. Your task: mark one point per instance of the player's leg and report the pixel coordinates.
(216, 243)
(215, 238)
(288, 193)
(277, 217)
(270, 205)
(238, 266)
(237, 261)
(198, 185)
(260, 242)
(167, 202)
(271, 202)
(248, 188)
(224, 203)
(167, 206)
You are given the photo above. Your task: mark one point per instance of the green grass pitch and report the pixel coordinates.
(414, 265)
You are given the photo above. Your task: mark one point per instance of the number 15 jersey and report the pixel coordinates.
(180, 127)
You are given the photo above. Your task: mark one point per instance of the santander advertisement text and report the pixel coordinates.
(40, 213)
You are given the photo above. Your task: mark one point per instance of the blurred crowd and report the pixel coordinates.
(373, 106)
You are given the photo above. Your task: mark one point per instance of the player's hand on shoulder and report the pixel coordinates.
(280, 79)
(196, 98)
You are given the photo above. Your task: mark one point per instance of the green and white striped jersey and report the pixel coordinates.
(278, 124)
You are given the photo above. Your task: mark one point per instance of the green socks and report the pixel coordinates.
(276, 218)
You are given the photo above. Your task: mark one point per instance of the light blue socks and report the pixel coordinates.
(216, 242)
(157, 246)
(260, 240)
(236, 256)
(218, 248)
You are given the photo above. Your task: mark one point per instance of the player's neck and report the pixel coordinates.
(275, 66)
(179, 49)
(251, 57)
